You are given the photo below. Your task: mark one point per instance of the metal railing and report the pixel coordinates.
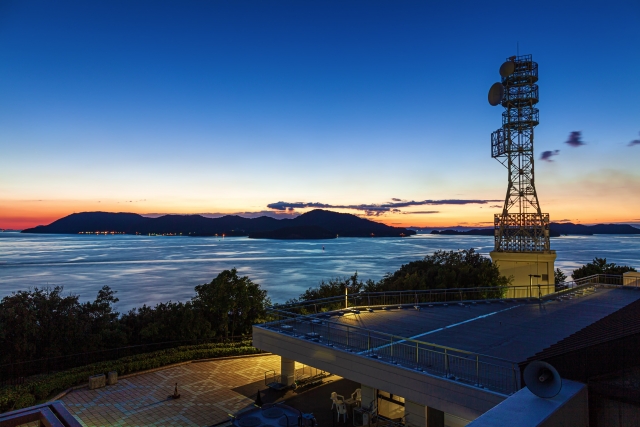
(471, 368)
(432, 296)
(309, 320)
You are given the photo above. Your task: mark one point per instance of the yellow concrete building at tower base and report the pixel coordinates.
(524, 267)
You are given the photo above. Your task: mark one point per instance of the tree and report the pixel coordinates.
(331, 288)
(445, 270)
(231, 304)
(560, 277)
(43, 323)
(600, 266)
(171, 321)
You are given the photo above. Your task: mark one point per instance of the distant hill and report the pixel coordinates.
(555, 230)
(316, 224)
(588, 230)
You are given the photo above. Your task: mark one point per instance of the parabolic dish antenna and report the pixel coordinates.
(507, 69)
(496, 93)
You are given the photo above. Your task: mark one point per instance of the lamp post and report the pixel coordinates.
(531, 276)
(346, 293)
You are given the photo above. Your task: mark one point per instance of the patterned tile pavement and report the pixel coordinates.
(205, 389)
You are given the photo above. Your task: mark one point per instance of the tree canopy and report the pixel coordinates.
(444, 270)
(40, 323)
(600, 266)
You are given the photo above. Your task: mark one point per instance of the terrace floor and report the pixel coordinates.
(205, 388)
(210, 391)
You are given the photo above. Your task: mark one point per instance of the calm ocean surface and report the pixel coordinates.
(148, 270)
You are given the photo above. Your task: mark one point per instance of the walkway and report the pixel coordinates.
(205, 388)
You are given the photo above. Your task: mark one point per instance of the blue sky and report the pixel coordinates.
(229, 106)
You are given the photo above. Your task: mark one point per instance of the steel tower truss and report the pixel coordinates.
(521, 227)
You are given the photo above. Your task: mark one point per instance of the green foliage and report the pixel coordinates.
(43, 323)
(171, 321)
(560, 277)
(41, 387)
(444, 270)
(332, 288)
(600, 266)
(231, 304)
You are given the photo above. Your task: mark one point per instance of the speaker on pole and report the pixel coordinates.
(542, 379)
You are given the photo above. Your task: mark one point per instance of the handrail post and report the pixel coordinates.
(368, 341)
(477, 370)
(347, 336)
(417, 354)
(328, 332)
(392, 348)
(446, 363)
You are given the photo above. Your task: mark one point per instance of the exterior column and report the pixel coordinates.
(415, 414)
(287, 371)
(368, 394)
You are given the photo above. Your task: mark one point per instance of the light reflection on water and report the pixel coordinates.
(148, 270)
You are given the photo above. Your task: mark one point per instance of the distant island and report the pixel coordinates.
(316, 224)
(556, 229)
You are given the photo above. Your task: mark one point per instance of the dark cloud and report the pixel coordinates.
(575, 139)
(495, 206)
(396, 200)
(375, 209)
(546, 155)
(634, 142)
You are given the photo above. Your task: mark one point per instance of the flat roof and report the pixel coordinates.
(508, 329)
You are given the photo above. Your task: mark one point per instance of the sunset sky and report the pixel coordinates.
(245, 107)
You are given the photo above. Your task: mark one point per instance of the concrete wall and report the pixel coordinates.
(446, 395)
(570, 408)
(521, 265)
(631, 278)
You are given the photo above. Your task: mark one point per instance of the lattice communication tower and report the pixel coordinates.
(521, 227)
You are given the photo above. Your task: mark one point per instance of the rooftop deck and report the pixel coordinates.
(513, 330)
(476, 342)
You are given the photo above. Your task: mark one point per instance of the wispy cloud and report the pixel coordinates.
(421, 212)
(273, 214)
(634, 142)
(376, 209)
(547, 155)
(575, 139)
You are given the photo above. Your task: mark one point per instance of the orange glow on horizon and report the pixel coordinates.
(19, 215)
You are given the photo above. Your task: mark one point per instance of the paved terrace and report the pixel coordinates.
(206, 388)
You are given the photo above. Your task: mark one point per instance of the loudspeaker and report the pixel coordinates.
(542, 379)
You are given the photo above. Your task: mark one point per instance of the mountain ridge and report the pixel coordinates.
(556, 229)
(314, 224)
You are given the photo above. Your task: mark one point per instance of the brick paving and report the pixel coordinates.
(205, 388)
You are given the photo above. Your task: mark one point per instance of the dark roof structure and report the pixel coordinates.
(514, 330)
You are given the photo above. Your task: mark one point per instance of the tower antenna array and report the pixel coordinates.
(521, 227)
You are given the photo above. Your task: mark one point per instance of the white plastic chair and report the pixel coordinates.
(336, 399)
(342, 410)
(356, 396)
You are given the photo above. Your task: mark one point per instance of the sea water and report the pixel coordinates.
(153, 269)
